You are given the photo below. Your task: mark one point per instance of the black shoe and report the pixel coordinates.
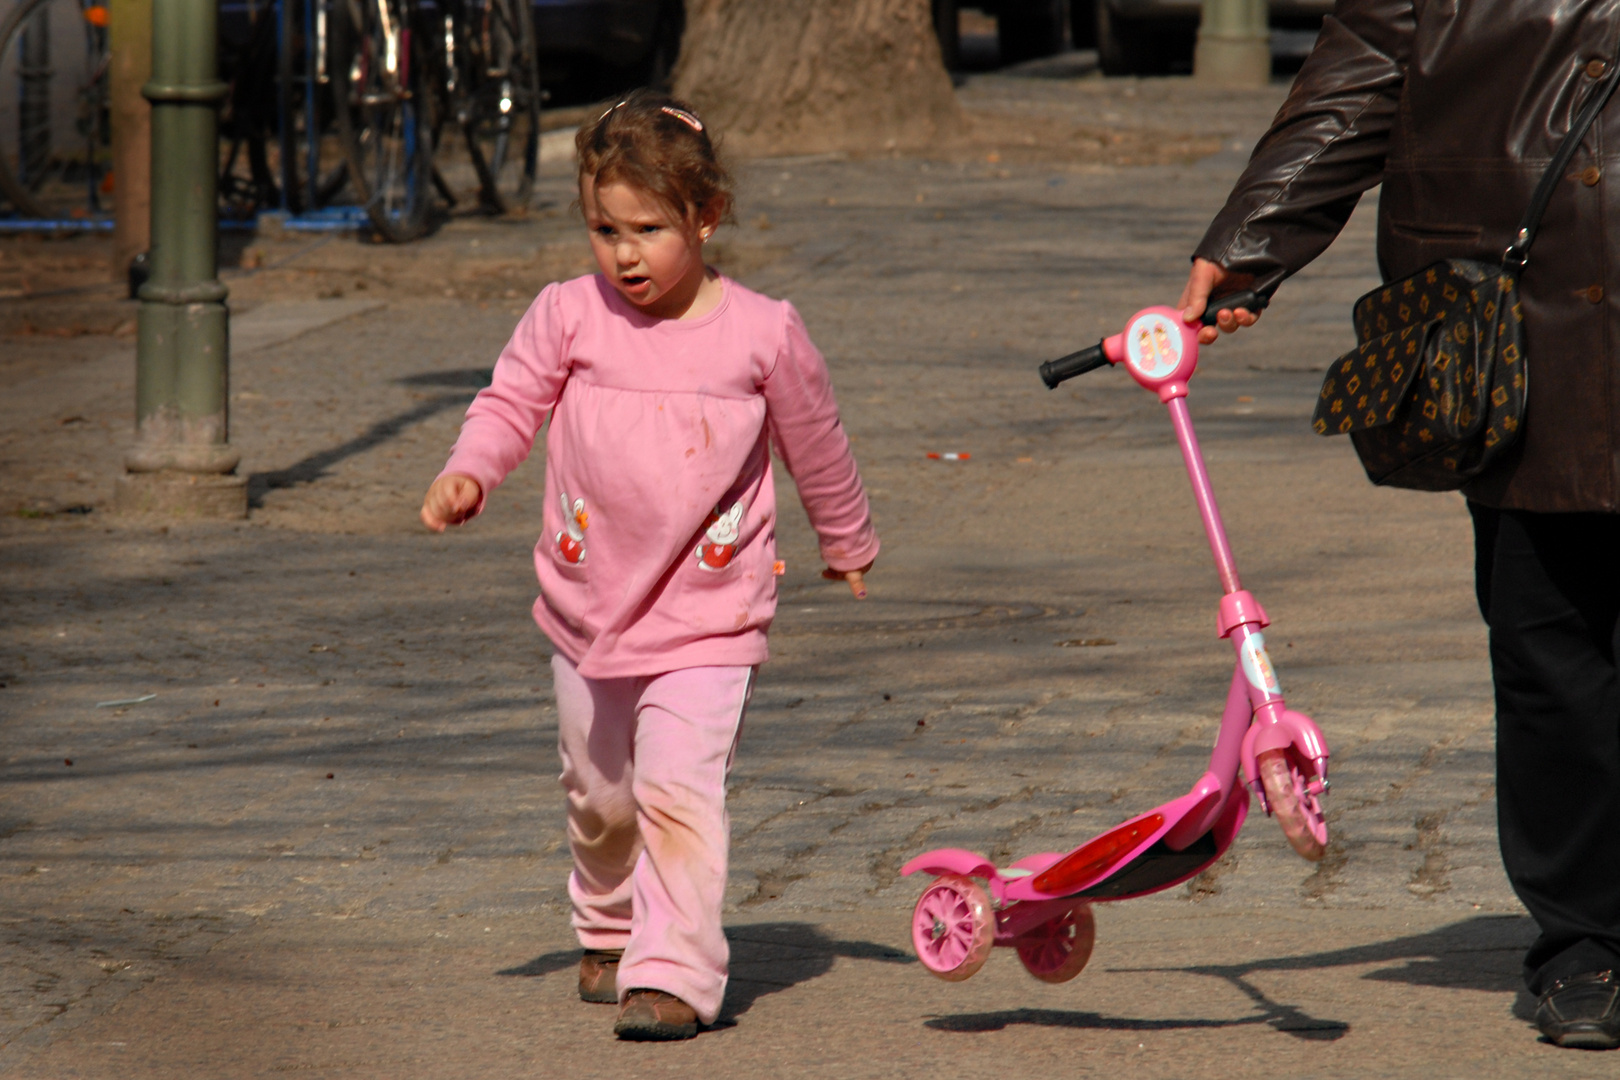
(1582, 1012)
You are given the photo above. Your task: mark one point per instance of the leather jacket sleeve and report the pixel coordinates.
(1325, 147)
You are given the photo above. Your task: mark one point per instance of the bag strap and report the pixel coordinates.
(1517, 255)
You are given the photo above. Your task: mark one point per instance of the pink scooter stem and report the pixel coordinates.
(1161, 353)
(1242, 617)
(1160, 350)
(1203, 492)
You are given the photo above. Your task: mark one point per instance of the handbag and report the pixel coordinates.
(1436, 389)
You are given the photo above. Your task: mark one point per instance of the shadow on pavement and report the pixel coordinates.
(314, 466)
(765, 958)
(1476, 954)
(544, 964)
(461, 378)
(1482, 953)
(1298, 1024)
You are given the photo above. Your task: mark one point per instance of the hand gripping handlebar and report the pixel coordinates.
(1064, 368)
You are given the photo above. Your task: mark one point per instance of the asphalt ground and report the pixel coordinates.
(331, 844)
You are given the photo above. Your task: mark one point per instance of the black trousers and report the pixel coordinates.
(1549, 588)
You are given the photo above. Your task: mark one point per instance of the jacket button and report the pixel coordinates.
(1595, 69)
(1595, 294)
(1589, 175)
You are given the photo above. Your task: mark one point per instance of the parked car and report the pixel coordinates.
(1132, 37)
(608, 41)
(1153, 37)
(1025, 29)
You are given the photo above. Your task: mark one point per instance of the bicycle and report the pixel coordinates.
(492, 88)
(386, 103)
(55, 131)
(276, 127)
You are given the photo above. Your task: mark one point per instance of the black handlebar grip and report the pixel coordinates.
(1248, 299)
(1067, 367)
(1064, 368)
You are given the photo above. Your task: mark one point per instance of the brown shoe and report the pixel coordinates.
(598, 971)
(652, 1015)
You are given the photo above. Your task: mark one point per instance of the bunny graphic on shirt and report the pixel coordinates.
(720, 534)
(571, 541)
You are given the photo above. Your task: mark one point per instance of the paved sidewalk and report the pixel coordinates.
(331, 844)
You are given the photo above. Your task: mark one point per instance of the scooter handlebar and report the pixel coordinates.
(1078, 363)
(1064, 368)
(1248, 300)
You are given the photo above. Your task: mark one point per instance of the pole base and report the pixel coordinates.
(1232, 61)
(183, 496)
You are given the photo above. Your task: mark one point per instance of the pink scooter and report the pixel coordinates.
(1041, 904)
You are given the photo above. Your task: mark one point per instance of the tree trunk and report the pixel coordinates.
(809, 76)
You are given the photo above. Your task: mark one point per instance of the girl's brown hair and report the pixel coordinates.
(656, 143)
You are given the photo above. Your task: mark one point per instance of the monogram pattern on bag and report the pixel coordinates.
(1436, 388)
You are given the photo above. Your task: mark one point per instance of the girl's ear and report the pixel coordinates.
(709, 218)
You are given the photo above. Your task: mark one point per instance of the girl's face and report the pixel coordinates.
(653, 257)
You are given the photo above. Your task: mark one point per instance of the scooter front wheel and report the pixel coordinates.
(1292, 804)
(953, 927)
(1057, 951)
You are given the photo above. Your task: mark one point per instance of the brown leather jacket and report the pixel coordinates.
(1456, 106)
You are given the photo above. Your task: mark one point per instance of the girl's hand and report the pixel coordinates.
(1207, 277)
(856, 579)
(450, 501)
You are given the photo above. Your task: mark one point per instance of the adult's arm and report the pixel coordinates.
(1326, 145)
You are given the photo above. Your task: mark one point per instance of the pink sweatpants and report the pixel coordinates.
(644, 766)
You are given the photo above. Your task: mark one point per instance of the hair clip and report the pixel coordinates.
(604, 116)
(683, 116)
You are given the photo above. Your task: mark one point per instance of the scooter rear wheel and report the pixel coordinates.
(953, 927)
(1292, 804)
(1058, 950)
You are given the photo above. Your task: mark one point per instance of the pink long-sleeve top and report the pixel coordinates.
(659, 543)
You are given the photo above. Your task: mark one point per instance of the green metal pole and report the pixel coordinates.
(1234, 44)
(182, 458)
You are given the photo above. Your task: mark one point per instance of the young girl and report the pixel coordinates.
(666, 384)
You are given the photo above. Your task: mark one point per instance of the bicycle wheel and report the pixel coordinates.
(277, 144)
(496, 96)
(385, 100)
(55, 134)
(314, 169)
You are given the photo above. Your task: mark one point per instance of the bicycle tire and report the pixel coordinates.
(501, 119)
(40, 187)
(386, 119)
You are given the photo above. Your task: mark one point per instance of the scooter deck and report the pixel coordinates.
(1155, 869)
